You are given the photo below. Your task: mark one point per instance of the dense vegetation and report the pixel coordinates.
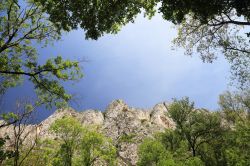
(75, 145)
(200, 137)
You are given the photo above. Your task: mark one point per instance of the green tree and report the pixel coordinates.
(152, 152)
(80, 145)
(21, 28)
(235, 105)
(44, 153)
(202, 137)
(211, 28)
(4, 153)
(18, 135)
(197, 127)
(235, 109)
(69, 130)
(94, 148)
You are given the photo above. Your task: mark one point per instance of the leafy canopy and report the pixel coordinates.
(96, 17)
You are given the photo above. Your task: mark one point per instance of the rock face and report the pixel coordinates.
(123, 121)
(117, 122)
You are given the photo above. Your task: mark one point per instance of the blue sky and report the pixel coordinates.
(138, 66)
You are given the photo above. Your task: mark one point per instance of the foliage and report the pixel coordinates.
(235, 105)
(153, 152)
(202, 10)
(195, 126)
(44, 153)
(94, 16)
(212, 27)
(69, 130)
(81, 146)
(74, 145)
(96, 148)
(21, 28)
(201, 137)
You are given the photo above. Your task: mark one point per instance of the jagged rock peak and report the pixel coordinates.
(116, 110)
(116, 107)
(159, 116)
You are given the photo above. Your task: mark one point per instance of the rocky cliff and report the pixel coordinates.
(117, 121)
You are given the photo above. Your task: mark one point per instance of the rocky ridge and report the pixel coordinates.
(117, 121)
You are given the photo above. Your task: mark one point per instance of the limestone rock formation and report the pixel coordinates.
(126, 126)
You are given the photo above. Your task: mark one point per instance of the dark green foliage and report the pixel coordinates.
(94, 16)
(177, 10)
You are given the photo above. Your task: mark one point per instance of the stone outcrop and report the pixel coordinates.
(118, 121)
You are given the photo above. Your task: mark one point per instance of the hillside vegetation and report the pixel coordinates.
(169, 134)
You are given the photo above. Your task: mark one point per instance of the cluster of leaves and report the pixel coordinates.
(21, 27)
(201, 137)
(212, 28)
(94, 16)
(176, 10)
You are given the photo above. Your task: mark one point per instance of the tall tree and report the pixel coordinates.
(70, 131)
(235, 110)
(96, 148)
(235, 105)
(197, 127)
(18, 135)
